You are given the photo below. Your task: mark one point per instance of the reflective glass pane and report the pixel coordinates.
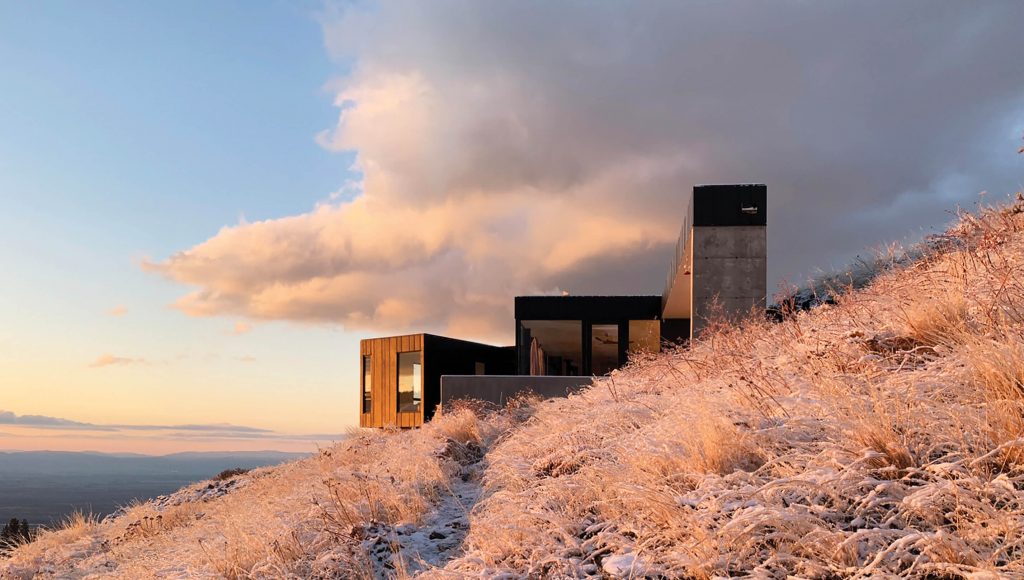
(367, 384)
(410, 381)
(555, 347)
(644, 335)
(604, 348)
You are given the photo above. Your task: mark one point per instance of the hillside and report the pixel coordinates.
(880, 435)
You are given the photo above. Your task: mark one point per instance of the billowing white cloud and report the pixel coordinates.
(522, 147)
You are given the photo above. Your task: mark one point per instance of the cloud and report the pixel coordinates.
(118, 311)
(105, 360)
(241, 328)
(219, 430)
(509, 148)
(9, 418)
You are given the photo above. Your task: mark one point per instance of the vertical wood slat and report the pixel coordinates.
(378, 364)
(362, 416)
(384, 380)
(387, 348)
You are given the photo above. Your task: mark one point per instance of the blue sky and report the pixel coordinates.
(135, 129)
(171, 252)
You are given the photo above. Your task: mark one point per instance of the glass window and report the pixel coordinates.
(555, 347)
(604, 348)
(410, 381)
(479, 368)
(644, 336)
(367, 384)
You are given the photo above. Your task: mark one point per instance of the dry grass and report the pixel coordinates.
(943, 319)
(146, 521)
(879, 436)
(77, 524)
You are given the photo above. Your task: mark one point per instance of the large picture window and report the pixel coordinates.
(555, 346)
(410, 381)
(604, 348)
(367, 384)
(644, 336)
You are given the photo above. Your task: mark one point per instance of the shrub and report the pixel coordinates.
(229, 473)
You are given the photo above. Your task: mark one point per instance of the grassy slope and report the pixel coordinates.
(882, 435)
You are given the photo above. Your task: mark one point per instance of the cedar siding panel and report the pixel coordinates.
(440, 356)
(384, 377)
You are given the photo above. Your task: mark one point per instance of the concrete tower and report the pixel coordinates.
(721, 256)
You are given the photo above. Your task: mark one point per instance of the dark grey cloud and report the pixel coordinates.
(869, 121)
(9, 418)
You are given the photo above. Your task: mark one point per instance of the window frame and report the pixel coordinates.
(582, 363)
(417, 406)
(367, 389)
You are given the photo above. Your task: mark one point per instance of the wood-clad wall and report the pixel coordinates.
(384, 374)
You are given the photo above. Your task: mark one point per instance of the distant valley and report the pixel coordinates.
(45, 486)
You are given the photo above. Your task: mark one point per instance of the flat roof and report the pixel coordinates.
(643, 307)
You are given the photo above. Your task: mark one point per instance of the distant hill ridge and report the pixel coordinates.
(45, 486)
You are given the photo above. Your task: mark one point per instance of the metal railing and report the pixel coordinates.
(682, 244)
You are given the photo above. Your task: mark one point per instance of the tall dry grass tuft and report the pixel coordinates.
(77, 527)
(942, 319)
(715, 445)
(78, 524)
(996, 371)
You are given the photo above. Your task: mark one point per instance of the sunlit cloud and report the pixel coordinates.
(508, 149)
(242, 328)
(118, 311)
(106, 360)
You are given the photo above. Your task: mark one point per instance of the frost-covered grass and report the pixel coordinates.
(882, 435)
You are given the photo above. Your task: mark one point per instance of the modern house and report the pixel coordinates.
(719, 269)
(401, 375)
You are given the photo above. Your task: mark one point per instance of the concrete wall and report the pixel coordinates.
(730, 263)
(498, 389)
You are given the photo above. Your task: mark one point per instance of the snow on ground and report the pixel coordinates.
(430, 545)
(879, 436)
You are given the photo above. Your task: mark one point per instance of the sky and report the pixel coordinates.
(205, 206)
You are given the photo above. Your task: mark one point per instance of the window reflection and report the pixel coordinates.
(644, 336)
(367, 384)
(604, 348)
(410, 381)
(555, 346)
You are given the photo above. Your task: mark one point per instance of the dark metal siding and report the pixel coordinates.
(589, 310)
(587, 307)
(675, 329)
(450, 356)
(720, 205)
